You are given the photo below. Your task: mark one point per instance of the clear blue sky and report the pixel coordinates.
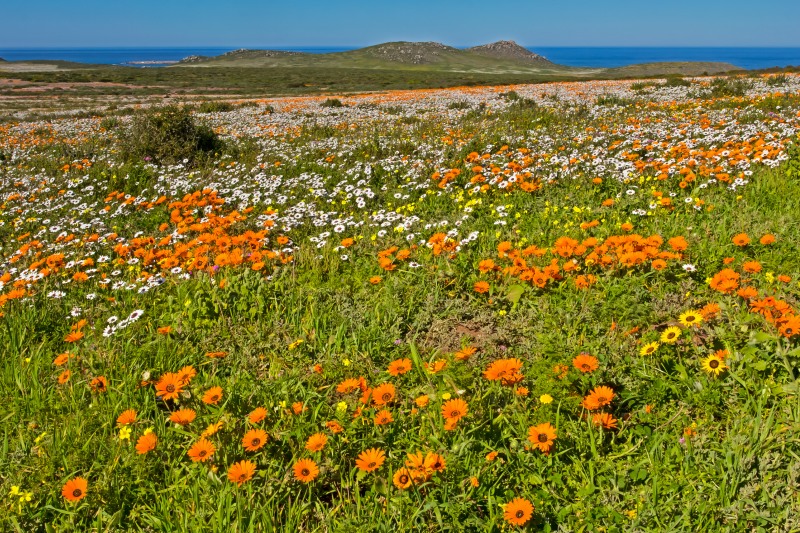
(264, 23)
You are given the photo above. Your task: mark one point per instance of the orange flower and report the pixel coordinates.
(334, 426)
(542, 436)
(767, 239)
(375, 280)
(383, 394)
(212, 396)
(599, 397)
(455, 409)
(491, 456)
(465, 353)
(422, 401)
(481, 287)
(678, 244)
(383, 417)
(186, 374)
(399, 366)
(586, 363)
(64, 377)
(370, 460)
(518, 511)
(306, 470)
(605, 420)
(257, 415)
(201, 450)
(505, 370)
(61, 359)
(164, 330)
(316, 442)
(741, 239)
(146, 443)
(74, 336)
(127, 417)
(241, 472)
(347, 386)
(255, 439)
(75, 489)
(99, 384)
(183, 416)
(751, 267)
(402, 478)
(216, 355)
(169, 386)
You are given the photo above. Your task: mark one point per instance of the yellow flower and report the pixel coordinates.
(545, 399)
(124, 433)
(671, 335)
(341, 407)
(446, 396)
(148, 430)
(714, 364)
(649, 348)
(691, 319)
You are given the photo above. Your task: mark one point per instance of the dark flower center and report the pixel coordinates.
(520, 513)
(386, 397)
(542, 437)
(255, 442)
(714, 363)
(77, 492)
(403, 479)
(454, 414)
(170, 388)
(305, 472)
(371, 465)
(202, 453)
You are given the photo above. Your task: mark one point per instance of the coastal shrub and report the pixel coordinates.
(213, 106)
(677, 81)
(332, 102)
(459, 105)
(168, 135)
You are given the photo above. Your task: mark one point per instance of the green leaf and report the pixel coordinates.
(515, 292)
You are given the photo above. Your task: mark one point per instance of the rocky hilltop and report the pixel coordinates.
(508, 50)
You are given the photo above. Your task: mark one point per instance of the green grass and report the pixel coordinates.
(736, 469)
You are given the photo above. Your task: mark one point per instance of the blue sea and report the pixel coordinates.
(748, 58)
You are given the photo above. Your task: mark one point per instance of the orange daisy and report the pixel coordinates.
(75, 489)
(306, 470)
(201, 450)
(370, 460)
(241, 472)
(254, 440)
(212, 396)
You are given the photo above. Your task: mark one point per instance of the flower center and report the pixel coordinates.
(371, 465)
(77, 492)
(255, 442)
(403, 479)
(519, 514)
(542, 437)
(714, 363)
(170, 388)
(305, 472)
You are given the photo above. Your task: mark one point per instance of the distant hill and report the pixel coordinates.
(501, 57)
(508, 50)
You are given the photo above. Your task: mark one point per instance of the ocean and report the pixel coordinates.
(748, 58)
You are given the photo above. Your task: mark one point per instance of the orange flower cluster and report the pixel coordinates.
(615, 252)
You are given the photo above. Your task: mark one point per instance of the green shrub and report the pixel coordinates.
(612, 100)
(777, 80)
(332, 102)
(168, 135)
(214, 106)
(677, 81)
(459, 105)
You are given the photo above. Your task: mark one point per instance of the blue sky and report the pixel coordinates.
(262, 23)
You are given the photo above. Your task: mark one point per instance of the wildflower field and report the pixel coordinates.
(555, 307)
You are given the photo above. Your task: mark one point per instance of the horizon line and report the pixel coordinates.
(279, 47)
